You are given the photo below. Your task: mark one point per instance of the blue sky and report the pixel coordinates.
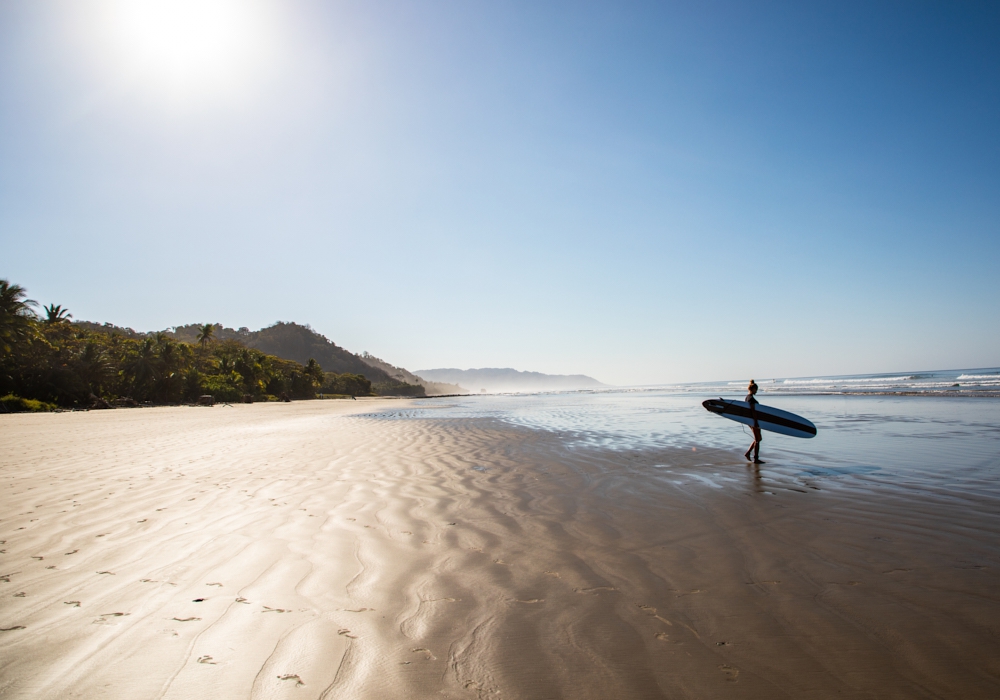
(642, 192)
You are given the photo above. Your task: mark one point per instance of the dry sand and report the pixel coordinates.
(297, 551)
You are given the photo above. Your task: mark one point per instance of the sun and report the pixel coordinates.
(188, 47)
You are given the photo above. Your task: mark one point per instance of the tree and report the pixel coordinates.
(347, 384)
(314, 372)
(79, 364)
(55, 313)
(15, 315)
(142, 369)
(206, 334)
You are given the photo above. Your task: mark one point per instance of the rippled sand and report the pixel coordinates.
(299, 551)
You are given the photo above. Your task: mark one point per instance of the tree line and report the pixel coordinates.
(47, 361)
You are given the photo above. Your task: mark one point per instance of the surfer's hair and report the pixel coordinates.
(752, 386)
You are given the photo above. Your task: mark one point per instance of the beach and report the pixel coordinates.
(374, 549)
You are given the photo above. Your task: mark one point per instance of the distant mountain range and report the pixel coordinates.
(402, 375)
(508, 380)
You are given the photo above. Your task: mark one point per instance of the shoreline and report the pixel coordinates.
(309, 551)
(789, 394)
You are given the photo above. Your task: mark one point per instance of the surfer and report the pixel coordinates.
(755, 446)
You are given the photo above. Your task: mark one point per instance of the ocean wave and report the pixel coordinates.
(865, 380)
(995, 376)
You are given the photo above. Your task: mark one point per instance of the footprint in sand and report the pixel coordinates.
(12, 629)
(103, 619)
(74, 603)
(22, 594)
(662, 636)
(291, 677)
(109, 573)
(38, 558)
(426, 652)
(729, 672)
(595, 589)
(691, 592)
(219, 585)
(186, 619)
(346, 633)
(73, 552)
(206, 660)
(50, 567)
(277, 610)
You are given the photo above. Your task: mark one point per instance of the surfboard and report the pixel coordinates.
(773, 419)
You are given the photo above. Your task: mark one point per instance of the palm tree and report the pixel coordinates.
(142, 368)
(55, 313)
(206, 334)
(15, 314)
(314, 372)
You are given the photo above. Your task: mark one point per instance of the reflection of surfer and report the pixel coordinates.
(755, 446)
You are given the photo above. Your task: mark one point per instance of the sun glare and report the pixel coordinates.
(187, 47)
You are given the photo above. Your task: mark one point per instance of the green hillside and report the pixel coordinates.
(291, 341)
(49, 360)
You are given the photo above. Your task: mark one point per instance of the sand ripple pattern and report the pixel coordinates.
(316, 550)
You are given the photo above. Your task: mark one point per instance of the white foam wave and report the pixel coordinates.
(866, 380)
(995, 377)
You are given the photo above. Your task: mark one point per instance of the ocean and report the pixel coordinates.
(904, 430)
(964, 382)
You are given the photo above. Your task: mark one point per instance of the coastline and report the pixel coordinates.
(350, 549)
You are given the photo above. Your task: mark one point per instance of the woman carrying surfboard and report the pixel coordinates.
(760, 417)
(755, 446)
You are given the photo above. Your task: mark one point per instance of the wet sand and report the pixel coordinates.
(300, 551)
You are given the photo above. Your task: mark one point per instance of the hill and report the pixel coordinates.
(400, 374)
(507, 379)
(292, 341)
(297, 343)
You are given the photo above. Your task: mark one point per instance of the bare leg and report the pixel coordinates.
(756, 446)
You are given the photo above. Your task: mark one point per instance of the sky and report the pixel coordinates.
(640, 192)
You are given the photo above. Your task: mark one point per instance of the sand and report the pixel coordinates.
(313, 550)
